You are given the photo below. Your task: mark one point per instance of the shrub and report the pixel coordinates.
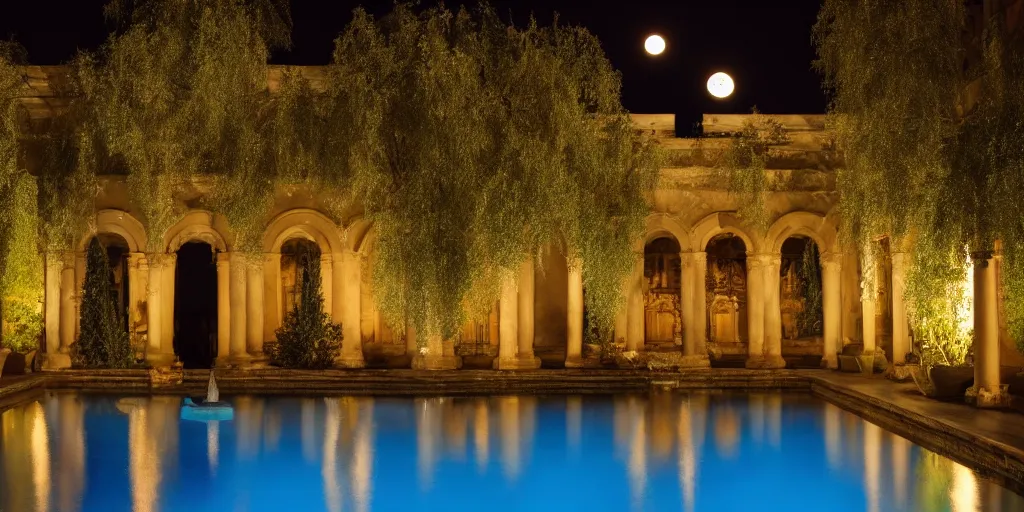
(103, 342)
(308, 339)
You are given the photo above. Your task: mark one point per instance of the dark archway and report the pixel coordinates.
(117, 257)
(195, 305)
(662, 287)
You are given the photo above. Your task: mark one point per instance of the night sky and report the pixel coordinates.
(765, 46)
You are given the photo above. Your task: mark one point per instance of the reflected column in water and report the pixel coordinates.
(662, 419)
(755, 401)
(833, 436)
(727, 431)
(152, 446)
(428, 438)
(574, 423)
(481, 433)
(308, 428)
(872, 465)
(71, 470)
(362, 457)
(508, 417)
(963, 494)
(900, 467)
(687, 457)
(455, 423)
(329, 462)
(249, 426)
(773, 410)
(40, 440)
(19, 469)
(637, 451)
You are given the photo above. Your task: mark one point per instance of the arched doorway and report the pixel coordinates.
(801, 295)
(725, 290)
(195, 305)
(291, 284)
(662, 293)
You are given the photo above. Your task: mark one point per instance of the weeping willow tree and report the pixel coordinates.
(178, 97)
(932, 147)
(472, 144)
(742, 163)
(21, 286)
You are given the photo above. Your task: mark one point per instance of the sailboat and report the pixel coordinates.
(212, 409)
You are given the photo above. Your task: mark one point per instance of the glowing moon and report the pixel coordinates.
(720, 85)
(654, 45)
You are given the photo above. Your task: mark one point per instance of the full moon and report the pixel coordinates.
(654, 45)
(720, 85)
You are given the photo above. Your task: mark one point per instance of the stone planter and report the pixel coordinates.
(951, 382)
(3, 359)
(13, 363)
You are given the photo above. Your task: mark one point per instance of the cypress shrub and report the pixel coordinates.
(308, 339)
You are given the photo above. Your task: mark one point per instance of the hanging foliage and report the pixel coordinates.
(473, 143)
(929, 125)
(742, 164)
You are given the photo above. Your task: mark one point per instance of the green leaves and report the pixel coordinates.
(103, 341)
(308, 339)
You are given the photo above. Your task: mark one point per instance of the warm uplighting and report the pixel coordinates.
(654, 45)
(720, 85)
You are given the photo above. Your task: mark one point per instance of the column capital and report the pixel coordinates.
(223, 258)
(161, 259)
(831, 259)
(981, 257)
(764, 258)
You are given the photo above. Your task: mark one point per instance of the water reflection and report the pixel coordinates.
(663, 451)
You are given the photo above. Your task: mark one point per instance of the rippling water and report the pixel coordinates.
(667, 451)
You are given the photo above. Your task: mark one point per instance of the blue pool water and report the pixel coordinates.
(659, 452)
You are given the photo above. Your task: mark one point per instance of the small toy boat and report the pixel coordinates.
(212, 409)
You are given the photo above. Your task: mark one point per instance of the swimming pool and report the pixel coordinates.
(664, 451)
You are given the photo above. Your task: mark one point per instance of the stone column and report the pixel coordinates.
(867, 358)
(756, 264)
(347, 307)
(900, 325)
(687, 298)
(621, 322)
(327, 285)
(987, 390)
(136, 293)
(574, 320)
(700, 306)
(55, 358)
(156, 355)
(508, 325)
(237, 299)
(525, 358)
(272, 295)
(79, 291)
(254, 308)
(167, 305)
(223, 308)
(773, 312)
(831, 274)
(635, 306)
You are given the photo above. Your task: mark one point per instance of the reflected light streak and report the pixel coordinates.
(637, 453)
(362, 458)
(510, 436)
(574, 423)
(833, 436)
(900, 467)
(71, 473)
(963, 494)
(757, 417)
(308, 416)
(329, 465)
(40, 443)
(872, 465)
(481, 434)
(774, 414)
(212, 444)
(428, 438)
(687, 457)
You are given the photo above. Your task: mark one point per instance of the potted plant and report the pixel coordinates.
(22, 327)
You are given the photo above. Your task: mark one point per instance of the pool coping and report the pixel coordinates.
(948, 432)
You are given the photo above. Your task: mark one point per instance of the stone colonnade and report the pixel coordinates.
(250, 305)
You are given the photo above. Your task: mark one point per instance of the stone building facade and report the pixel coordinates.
(707, 286)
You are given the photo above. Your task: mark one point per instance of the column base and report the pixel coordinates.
(830, 362)
(241, 362)
(433, 362)
(872, 362)
(530, 362)
(766, 362)
(985, 399)
(574, 362)
(350, 361)
(56, 361)
(159, 360)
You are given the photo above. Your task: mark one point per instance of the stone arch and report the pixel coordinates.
(120, 223)
(722, 222)
(812, 225)
(663, 225)
(196, 225)
(360, 235)
(302, 223)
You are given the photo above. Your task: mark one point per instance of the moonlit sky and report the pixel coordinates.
(765, 46)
